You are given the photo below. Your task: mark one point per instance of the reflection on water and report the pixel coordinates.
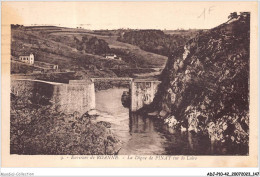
(144, 140)
(143, 135)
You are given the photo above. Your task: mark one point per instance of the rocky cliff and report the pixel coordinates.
(205, 84)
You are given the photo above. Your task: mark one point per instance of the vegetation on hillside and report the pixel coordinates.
(92, 45)
(78, 50)
(156, 41)
(47, 49)
(38, 128)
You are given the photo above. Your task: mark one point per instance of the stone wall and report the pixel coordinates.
(67, 98)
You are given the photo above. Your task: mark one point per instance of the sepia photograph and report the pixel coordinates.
(131, 81)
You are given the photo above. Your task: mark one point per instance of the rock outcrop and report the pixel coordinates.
(205, 84)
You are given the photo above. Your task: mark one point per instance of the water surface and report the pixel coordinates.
(142, 135)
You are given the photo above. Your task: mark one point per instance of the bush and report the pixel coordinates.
(40, 129)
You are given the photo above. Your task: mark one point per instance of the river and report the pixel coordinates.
(141, 135)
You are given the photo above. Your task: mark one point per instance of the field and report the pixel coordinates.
(152, 59)
(65, 47)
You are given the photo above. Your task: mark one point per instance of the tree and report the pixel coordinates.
(233, 15)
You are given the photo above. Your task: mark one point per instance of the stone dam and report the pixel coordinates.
(67, 98)
(79, 95)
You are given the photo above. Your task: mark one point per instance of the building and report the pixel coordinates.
(55, 67)
(27, 59)
(112, 56)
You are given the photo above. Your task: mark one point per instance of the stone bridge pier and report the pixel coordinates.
(142, 93)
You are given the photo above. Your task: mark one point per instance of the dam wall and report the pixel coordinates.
(67, 98)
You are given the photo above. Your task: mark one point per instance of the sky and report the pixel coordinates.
(115, 15)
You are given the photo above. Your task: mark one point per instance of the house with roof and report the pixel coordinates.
(27, 59)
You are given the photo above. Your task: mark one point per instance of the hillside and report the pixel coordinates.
(157, 41)
(80, 50)
(27, 40)
(205, 84)
(130, 53)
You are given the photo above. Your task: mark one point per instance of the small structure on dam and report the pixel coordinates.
(142, 92)
(75, 96)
